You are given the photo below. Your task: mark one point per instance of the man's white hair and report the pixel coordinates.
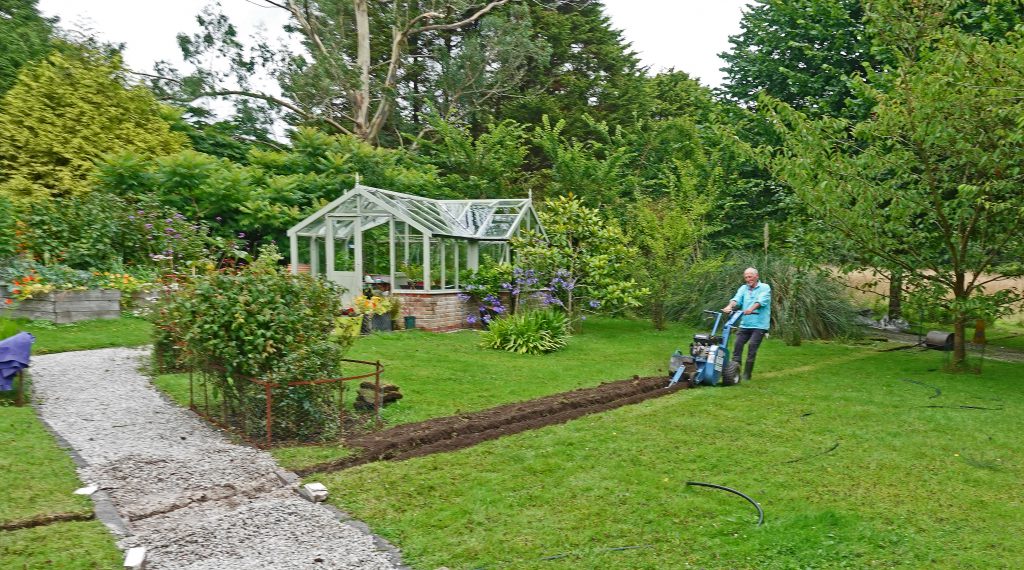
(751, 269)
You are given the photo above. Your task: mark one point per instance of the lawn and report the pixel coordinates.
(446, 374)
(916, 480)
(83, 335)
(38, 477)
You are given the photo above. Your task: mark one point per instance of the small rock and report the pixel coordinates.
(87, 490)
(135, 558)
(313, 492)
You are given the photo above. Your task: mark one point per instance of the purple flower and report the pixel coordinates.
(131, 218)
(498, 309)
(149, 226)
(141, 212)
(218, 218)
(594, 303)
(506, 285)
(463, 297)
(471, 320)
(241, 234)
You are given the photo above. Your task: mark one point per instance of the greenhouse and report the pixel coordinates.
(392, 242)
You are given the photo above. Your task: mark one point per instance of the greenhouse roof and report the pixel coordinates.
(484, 220)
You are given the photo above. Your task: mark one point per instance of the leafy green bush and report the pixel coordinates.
(263, 324)
(807, 303)
(102, 232)
(528, 332)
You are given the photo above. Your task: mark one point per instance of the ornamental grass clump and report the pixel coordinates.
(264, 324)
(528, 332)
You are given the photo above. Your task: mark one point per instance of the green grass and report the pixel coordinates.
(36, 476)
(908, 487)
(1007, 333)
(84, 335)
(67, 546)
(446, 374)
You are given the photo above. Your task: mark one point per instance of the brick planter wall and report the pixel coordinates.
(437, 312)
(68, 306)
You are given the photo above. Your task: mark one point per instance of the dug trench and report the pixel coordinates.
(465, 430)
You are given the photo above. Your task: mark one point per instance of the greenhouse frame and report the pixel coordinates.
(377, 239)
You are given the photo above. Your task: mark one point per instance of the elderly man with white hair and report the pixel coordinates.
(754, 298)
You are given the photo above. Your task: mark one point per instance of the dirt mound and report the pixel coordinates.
(457, 432)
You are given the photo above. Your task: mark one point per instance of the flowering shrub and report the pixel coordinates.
(124, 282)
(551, 292)
(25, 279)
(484, 288)
(259, 323)
(375, 305)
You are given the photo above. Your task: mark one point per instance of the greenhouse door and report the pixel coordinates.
(345, 255)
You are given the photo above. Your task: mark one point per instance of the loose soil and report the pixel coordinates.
(461, 431)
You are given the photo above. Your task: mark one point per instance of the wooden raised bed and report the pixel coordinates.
(67, 306)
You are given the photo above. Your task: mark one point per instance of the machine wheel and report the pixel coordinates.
(731, 373)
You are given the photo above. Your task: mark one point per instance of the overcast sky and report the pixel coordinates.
(685, 34)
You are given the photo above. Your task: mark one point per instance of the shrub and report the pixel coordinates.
(528, 332)
(806, 303)
(264, 324)
(102, 232)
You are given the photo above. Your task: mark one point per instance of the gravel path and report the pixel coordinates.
(194, 500)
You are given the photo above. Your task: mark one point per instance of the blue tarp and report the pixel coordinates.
(14, 354)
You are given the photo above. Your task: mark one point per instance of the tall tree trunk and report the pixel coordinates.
(658, 313)
(361, 99)
(896, 295)
(959, 322)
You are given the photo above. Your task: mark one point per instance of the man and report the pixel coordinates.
(754, 298)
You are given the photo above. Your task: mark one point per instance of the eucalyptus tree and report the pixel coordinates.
(362, 68)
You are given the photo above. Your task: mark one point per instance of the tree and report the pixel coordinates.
(667, 232)
(25, 37)
(802, 52)
(588, 69)
(487, 166)
(274, 189)
(67, 111)
(350, 78)
(585, 258)
(930, 184)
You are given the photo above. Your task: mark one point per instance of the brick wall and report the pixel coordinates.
(437, 312)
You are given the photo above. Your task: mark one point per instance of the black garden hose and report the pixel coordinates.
(938, 391)
(827, 451)
(760, 512)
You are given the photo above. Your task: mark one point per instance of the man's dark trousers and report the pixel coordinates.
(754, 336)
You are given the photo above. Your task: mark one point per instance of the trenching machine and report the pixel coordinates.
(708, 362)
